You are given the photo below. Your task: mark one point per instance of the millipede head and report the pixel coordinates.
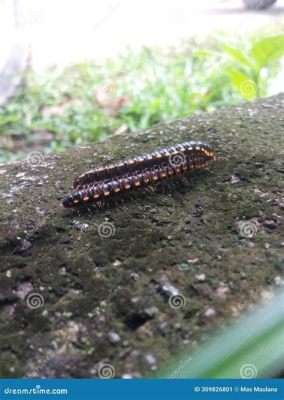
(68, 201)
(71, 201)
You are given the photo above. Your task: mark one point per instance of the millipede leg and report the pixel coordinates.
(149, 189)
(185, 181)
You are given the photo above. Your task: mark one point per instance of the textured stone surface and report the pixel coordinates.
(215, 243)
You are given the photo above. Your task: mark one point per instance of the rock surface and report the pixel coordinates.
(118, 292)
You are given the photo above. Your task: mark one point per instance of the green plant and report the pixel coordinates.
(246, 74)
(251, 348)
(90, 101)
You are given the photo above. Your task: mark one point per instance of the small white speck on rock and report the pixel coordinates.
(80, 226)
(26, 245)
(23, 289)
(151, 361)
(113, 337)
(20, 174)
(234, 179)
(200, 277)
(134, 276)
(193, 260)
(222, 291)
(62, 271)
(210, 312)
(278, 281)
(40, 211)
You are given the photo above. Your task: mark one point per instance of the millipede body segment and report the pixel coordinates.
(106, 181)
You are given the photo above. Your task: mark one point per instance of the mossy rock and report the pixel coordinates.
(105, 279)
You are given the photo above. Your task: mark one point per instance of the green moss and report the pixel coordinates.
(93, 285)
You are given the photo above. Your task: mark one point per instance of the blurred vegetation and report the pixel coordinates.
(250, 348)
(90, 101)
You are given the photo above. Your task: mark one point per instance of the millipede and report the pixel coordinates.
(106, 181)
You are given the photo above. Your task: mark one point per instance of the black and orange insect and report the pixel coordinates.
(104, 182)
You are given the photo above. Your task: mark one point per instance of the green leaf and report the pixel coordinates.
(203, 53)
(243, 83)
(236, 55)
(268, 50)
